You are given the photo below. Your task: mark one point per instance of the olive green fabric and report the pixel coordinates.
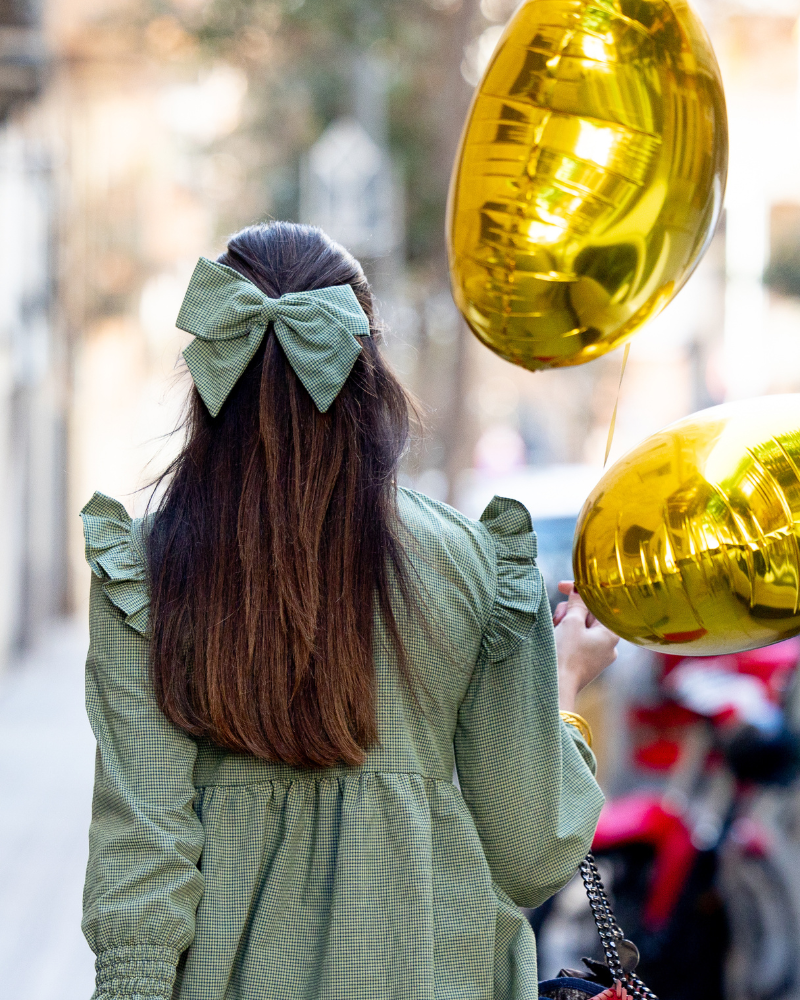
(229, 316)
(385, 882)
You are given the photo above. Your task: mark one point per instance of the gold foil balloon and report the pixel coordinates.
(590, 176)
(690, 543)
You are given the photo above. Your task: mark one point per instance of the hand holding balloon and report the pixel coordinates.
(584, 647)
(568, 587)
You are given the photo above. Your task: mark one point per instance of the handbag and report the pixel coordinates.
(622, 955)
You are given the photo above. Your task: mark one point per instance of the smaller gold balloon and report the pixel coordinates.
(690, 543)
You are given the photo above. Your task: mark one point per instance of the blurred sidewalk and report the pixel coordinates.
(46, 765)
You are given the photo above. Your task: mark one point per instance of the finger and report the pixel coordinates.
(566, 587)
(575, 597)
(559, 612)
(575, 606)
(604, 635)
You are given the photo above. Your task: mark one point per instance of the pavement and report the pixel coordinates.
(46, 773)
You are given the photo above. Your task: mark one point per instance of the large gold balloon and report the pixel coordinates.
(590, 176)
(690, 543)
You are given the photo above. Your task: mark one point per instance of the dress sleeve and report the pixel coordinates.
(143, 884)
(527, 778)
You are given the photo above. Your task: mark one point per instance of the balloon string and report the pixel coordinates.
(616, 404)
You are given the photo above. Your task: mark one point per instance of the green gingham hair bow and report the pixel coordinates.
(229, 315)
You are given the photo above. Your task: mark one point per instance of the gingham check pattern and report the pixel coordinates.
(256, 880)
(229, 316)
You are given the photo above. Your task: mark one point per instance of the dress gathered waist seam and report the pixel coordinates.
(288, 777)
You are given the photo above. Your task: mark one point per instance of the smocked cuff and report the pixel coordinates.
(136, 972)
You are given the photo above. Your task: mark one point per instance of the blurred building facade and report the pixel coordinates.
(34, 351)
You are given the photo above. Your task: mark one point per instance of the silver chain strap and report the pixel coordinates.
(611, 936)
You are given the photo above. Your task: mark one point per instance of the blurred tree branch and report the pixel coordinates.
(299, 54)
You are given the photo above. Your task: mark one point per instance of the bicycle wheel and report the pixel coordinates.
(762, 958)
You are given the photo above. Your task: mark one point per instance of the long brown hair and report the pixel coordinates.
(276, 539)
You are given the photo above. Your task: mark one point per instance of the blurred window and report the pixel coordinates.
(783, 270)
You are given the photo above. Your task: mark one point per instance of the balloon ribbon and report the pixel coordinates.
(616, 404)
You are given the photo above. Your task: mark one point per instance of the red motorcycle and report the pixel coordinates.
(701, 859)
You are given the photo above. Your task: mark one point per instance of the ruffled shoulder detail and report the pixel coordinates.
(116, 555)
(519, 583)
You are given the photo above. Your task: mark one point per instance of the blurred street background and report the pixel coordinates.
(134, 136)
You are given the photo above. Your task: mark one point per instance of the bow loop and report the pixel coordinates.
(229, 317)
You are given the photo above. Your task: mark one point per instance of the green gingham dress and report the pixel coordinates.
(217, 876)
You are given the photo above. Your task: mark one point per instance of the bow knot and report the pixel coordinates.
(229, 316)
